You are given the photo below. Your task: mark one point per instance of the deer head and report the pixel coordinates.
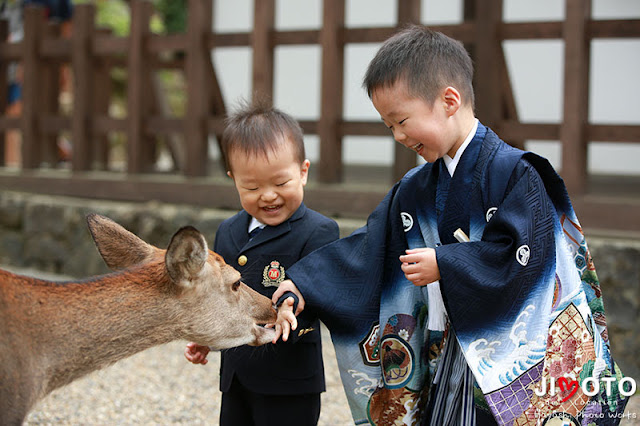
(211, 305)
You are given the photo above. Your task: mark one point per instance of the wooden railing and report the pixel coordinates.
(92, 52)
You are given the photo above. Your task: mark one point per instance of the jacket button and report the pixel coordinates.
(242, 260)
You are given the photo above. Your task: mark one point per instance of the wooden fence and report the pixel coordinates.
(92, 52)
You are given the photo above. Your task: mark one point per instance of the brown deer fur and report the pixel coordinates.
(53, 333)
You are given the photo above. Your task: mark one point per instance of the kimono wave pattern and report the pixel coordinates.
(522, 296)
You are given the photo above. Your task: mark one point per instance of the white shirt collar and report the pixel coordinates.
(452, 163)
(255, 223)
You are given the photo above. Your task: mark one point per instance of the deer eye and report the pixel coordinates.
(236, 285)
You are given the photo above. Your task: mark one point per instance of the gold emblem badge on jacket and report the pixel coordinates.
(273, 274)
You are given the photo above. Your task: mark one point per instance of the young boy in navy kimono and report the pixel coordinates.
(470, 296)
(279, 384)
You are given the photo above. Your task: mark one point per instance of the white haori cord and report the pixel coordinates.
(437, 311)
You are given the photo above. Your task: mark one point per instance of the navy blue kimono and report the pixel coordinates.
(286, 368)
(525, 330)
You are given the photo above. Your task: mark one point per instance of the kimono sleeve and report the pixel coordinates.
(341, 281)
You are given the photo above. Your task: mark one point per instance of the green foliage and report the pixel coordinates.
(116, 16)
(112, 14)
(173, 14)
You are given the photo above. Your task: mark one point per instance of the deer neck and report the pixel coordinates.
(103, 320)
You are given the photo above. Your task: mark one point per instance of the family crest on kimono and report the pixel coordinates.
(430, 330)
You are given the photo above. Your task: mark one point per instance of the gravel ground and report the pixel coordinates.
(159, 387)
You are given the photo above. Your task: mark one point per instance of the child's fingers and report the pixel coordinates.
(410, 258)
(195, 356)
(293, 321)
(416, 250)
(286, 327)
(415, 280)
(300, 305)
(410, 268)
(278, 330)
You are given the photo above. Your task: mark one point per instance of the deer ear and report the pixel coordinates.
(186, 255)
(118, 247)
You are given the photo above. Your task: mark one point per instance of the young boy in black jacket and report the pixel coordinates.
(264, 151)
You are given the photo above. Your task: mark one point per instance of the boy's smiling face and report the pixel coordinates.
(429, 130)
(271, 186)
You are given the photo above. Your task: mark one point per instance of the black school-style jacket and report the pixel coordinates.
(286, 368)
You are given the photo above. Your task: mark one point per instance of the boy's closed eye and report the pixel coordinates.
(284, 183)
(390, 126)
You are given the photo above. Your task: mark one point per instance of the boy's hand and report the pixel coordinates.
(420, 266)
(286, 320)
(196, 354)
(288, 285)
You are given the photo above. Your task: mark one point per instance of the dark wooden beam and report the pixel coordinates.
(488, 87)
(81, 60)
(4, 87)
(576, 95)
(300, 37)
(613, 133)
(50, 79)
(614, 28)
(103, 89)
(34, 20)
(262, 47)
(138, 144)
(330, 167)
(405, 159)
(511, 130)
(198, 80)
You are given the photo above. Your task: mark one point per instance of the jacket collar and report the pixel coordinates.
(240, 226)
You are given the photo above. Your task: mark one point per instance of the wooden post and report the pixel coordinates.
(103, 88)
(506, 107)
(573, 135)
(4, 86)
(81, 128)
(405, 159)
(332, 43)
(261, 42)
(509, 109)
(34, 20)
(218, 108)
(138, 72)
(487, 59)
(197, 76)
(49, 97)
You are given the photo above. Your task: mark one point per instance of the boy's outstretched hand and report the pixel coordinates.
(420, 266)
(286, 321)
(196, 354)
(285, 286)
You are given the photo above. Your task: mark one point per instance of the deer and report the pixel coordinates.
(52, 333)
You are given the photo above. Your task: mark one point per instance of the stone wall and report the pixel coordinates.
(50, 234)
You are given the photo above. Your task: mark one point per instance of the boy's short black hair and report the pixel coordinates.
(258, 129)
(427, 60)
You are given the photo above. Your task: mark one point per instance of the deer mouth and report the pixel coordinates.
(262, 334)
